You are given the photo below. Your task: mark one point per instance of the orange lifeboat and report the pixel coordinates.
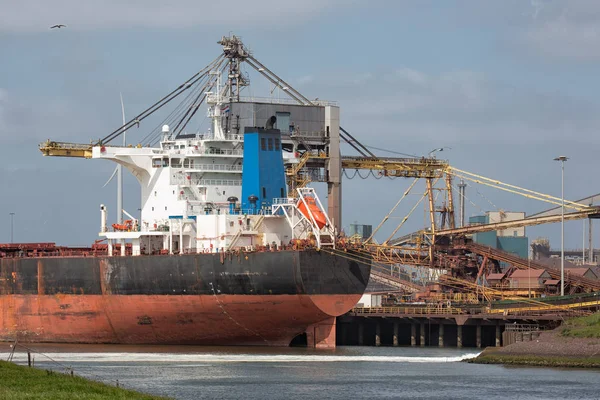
(123, 227)
(316, 212)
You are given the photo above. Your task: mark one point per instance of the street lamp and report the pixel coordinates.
(12, 219)
(438, 149)
(562, 160)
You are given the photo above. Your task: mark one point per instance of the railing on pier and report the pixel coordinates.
(408, 310)
(520, 333)
(522, 327)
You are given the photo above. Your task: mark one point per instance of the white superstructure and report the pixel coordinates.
(191, 195)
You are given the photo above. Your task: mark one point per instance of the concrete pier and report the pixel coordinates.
(498, 335)
(344, 335)
(361, 334)
(464, 330)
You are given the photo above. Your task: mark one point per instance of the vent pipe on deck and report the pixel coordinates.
(102, 218)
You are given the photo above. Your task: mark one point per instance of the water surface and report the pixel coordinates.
(189, 372)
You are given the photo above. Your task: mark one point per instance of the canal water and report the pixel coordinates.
(188, 372)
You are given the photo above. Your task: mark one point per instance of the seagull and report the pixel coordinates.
(58, 26)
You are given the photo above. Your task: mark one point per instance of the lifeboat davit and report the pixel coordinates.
(316, 212)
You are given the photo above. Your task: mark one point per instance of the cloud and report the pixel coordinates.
(407, 109)
(304, 80)
(3, 113)
(23, 118)
(39, 15)
(566, 29)
(558, 29)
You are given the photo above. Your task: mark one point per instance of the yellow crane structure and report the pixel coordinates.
(426, 247)
(64, 149)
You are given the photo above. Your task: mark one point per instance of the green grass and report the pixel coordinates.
(582, 327)
(537, 361)
(19, 382)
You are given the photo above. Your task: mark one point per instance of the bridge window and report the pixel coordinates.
(176, 163)
(263, 144)
(270, 144)
(156, 162)
(165, 162)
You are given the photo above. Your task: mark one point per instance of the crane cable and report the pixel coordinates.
(160, 103)
(175, 114)
(208, 86)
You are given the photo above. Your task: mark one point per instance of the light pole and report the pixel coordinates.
(12, 219)
(583, 247)
(562, 160)
(438, 149)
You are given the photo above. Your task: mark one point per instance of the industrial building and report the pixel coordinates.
(511, 240)
(363, 231)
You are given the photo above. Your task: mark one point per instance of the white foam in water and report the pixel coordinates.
(216, 358)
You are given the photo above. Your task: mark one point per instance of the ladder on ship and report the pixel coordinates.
(240, 232)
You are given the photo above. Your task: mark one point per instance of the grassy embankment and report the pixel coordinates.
(491, 356)
(586, 329)
(19, 382)
(583, 327)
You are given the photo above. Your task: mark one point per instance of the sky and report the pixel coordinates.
(505, 85)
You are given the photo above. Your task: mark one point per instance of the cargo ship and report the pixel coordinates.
(224, 252)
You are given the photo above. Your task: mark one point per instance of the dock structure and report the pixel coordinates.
(443, 327)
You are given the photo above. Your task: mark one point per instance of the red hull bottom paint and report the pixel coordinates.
(322, 334)
(272, 320)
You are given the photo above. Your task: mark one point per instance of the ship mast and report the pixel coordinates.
(120, 172)
(234, 50)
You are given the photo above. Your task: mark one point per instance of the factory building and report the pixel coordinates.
(511, 240)
(363, 231)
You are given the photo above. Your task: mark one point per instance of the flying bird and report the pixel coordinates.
(58, 26)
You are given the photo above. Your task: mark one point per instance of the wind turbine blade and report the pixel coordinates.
(112, 176)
